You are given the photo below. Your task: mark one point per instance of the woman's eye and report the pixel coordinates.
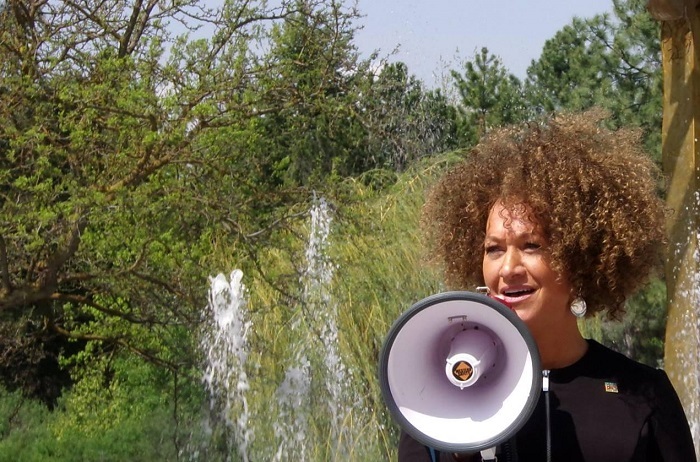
(532, 246)
(491, 249)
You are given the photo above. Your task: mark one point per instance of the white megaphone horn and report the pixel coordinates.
(460, 372)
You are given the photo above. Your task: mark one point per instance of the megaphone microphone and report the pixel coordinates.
(460, 372)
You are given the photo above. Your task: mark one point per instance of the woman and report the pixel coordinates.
(561, 219)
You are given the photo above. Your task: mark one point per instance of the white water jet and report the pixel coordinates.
(683, 339)
(312, 394)
(317, 297)
(317, 331)
(691, 359)
(291, 427)
(226, 348)
(691, 333)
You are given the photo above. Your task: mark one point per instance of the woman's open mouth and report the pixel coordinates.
(512, 296)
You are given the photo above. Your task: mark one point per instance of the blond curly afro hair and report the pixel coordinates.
(593, 191)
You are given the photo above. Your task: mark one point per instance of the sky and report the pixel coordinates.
(433, 33)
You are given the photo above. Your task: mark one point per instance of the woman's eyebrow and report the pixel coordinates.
(524, 235)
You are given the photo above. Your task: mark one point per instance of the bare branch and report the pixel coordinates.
(131, 25)
(136, 27)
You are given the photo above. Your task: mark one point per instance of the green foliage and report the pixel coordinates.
(24, 422)
(574, 71)
(313, 130)
(404, 122)
(376, 255)
(490, 96)
(124, 167)
(640, 333)
(128, 419)
(606, 62)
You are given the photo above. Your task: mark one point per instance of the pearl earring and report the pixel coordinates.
(578, 307)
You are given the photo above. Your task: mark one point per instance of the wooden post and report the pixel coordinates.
(680, 49)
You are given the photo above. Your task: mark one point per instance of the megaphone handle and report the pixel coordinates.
(488, 455)
(471, 457)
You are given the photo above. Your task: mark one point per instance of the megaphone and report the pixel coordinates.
(460, 372)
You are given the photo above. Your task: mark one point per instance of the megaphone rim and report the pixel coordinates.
(507, 313)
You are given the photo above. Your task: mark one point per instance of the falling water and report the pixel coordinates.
(310, 396)
(291, 427)
(683, 334)
(691, 334)
(317, 279)
(226, 349)
(318, 324)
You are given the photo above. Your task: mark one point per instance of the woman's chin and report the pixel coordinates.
(526, 315)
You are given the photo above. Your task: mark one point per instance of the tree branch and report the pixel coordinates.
(87, 301)
(61, 257)
(6, 287)
(120, 341)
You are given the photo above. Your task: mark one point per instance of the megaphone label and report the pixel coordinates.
(462, 371)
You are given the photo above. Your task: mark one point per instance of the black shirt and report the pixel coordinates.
(605, 407)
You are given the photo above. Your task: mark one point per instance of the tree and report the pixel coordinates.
(313, 81)
(574, 70)
(490, 96)
(609, 62)
(640, 333)
(404, 121)
(338, 118)
(123, 165)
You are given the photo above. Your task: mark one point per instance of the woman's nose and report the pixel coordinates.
(511, 264)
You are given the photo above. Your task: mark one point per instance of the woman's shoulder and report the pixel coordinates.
(629, 375)
(606, 355)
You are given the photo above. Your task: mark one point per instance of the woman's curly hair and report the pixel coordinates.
(593, 191)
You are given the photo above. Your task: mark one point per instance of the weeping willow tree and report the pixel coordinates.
(323, 335)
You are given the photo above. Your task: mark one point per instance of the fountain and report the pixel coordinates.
(310, 399)
(291, 427)
(320, 307)
(311, 383)
(225, 345)
(682, 359)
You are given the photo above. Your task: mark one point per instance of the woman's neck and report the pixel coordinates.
(561, 349)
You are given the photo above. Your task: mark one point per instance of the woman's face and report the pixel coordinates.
(516, 269)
